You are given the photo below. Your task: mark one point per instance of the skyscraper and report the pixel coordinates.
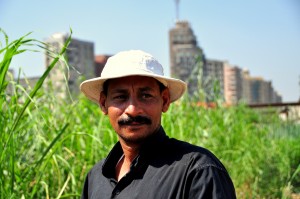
(186, 57)
(233, 84)
(80, 58)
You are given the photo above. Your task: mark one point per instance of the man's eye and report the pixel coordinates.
(146, 96)
(120, 97)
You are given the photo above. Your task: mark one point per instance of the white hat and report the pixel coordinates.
(132, 63)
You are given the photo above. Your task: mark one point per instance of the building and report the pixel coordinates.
(213, 79)
(186, 57)
(233, 84)
(258, 91)
(27, 83)
(80, 59)
(100, 61)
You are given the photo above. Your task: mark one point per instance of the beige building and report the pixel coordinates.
(233, 84)
(186, 58)
(213, 79)
(240, 86)
(256, 90)
(80, 58)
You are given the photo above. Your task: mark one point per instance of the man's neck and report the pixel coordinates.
(130, 150)
(130, 153)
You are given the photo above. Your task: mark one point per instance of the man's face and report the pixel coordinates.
(134, 106)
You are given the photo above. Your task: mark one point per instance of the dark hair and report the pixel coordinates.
(105, 86)
(162, 87)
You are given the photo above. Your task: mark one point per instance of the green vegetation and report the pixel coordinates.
(47, 145)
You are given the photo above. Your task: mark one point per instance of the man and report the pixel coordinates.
(133, 92)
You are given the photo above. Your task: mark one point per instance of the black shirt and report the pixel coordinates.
(165, 168)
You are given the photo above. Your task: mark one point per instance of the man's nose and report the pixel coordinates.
(133, 107)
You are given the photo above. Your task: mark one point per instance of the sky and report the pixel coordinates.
(261, 36)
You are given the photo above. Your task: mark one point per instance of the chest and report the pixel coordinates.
(153, 181)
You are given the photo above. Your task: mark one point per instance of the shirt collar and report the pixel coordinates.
(154, 143)
(151, 147)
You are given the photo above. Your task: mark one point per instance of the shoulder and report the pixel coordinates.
(98, 166)
(92, 180)
(208, 177)
(199, 157)
(96, 169)
(95, 177)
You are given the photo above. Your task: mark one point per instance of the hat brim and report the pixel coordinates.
(92, 87)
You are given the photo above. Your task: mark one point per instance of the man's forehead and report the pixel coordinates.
(138, 81)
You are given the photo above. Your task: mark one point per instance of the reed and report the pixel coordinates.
(48, 145)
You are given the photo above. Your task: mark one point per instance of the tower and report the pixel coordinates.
(186, 58)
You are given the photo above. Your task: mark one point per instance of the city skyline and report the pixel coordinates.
(267, 42)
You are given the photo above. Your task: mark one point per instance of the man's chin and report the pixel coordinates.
(135, 134)
(133, 140)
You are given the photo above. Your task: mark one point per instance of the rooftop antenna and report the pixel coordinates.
(177, 9)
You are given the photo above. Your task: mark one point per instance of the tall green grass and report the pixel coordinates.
(261, 163)
(48, 145)
(22, 167)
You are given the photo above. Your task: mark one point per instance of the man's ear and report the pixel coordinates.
(166, 99)
(102, 103)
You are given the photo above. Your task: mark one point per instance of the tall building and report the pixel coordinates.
(80, 58)
(213, 79)
(258, 91)
(218, 79)
(233, 84)
(186, 57)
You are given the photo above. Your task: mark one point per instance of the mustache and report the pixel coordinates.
(130, 119)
